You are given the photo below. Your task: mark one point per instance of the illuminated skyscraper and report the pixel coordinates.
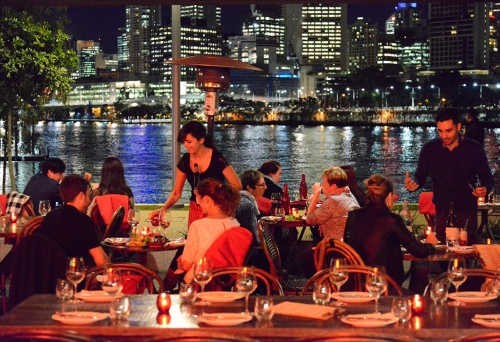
(494, 41)
(86, 51)
(140, 23)
(266, 21)
(123, 53)
(210, 14)
(363, 38)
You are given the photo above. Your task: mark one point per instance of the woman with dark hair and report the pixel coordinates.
(271, 170)
(352, 183)
(202, 161)
(112, 179)
(377, 234)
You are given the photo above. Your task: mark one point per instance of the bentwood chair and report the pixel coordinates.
(327, 249)
(29, 335)
(359, 336)
(483, 337)
(136, 278)
(29, 227)
(362, 270)
(201, 337)
(476, 278)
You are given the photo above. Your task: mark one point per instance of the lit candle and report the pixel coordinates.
(417, 305)
(294, 211)
(488, 241)
(428, 230)
(145, 231)
(163, 302)
(13, 217)
(163, 319)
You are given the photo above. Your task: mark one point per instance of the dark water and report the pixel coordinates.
(145, 151)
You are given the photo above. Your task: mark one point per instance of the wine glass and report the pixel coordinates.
(246, 283)
(376, 284)
(133, 217)
(164, 218)
(44, 207)
(456, 276)
(202, 274)
(64, 290)
(75, 273)
(112, 282)
(275, 202)
(338, 275)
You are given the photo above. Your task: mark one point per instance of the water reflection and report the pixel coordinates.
(145, 151)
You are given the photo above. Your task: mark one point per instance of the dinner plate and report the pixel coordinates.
(472, 296)
(368, 321)
(462, 250)
(271, 218)
(352, 297)
(96, 296)
(490, 321)
(220, 296)
(79, 317)
(224, 318)
(117, 241)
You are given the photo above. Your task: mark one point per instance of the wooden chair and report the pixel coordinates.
(115, 224)
(26, 209)
(142, 276)
(45, 335)
(480, 274)
(270, 248)
(358, 336)
(29, 227)
(323, 275)
(201, 337)
(334, 248)
(426, 207)
(102, 217)
(483, 337)
(270, 282)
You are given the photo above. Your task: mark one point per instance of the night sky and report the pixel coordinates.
(102, 23)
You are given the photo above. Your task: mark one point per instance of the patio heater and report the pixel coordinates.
(212, 76)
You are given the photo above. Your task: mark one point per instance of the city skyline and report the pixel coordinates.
(101, 24)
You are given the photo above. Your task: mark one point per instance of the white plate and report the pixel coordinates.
(368, 322)
(220, 296)
(96, 296)
(352, 297)
(271, 218)
(177, 244)
(461, 250)
(490, 321)
(472, 296)
(224, 318)
(80, 317)
(117, 241)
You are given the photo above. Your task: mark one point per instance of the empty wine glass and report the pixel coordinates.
(164, 218)
(246, 283)
(401, 309)
(457, 276)
(112, 282)
(44, 207)
(376, 284)
(439, 292)
(338, 275)
(264, 309)
(133, 217)
(321, 292)
(75, 273)
(64, 289)
(202, 274)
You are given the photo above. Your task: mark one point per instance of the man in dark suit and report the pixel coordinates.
(474, 128)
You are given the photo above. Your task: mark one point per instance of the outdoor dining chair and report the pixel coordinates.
(475, 279)
(200, 337)
(329, 248)
(45, 335)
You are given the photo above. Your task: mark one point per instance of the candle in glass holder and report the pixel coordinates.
(163, 319)
(145, 231)
(163, 302)
(488, 241)
(295, 211)
(13, 217)
(428, 230)
(417, 305)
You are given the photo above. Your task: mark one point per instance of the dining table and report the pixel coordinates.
(437, 322)
(142, 251)
(9, 230)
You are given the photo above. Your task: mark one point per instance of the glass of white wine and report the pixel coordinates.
(75, 273)
(133, 218)
(202, 274)
(338, 275)
(246, 283)
(112, 282)
(376, 284)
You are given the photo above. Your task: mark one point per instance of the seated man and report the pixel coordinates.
(70, 227)
(45, 185)
(253, 187)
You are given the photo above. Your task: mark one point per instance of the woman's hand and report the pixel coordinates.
(154, 214)
(432, 239)
(316, 189)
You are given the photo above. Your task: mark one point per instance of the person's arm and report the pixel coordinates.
(99, 256)
(232, 177)
(423, 170)
(316, 189)
(484, 173)
(180, 179)
(408, 240)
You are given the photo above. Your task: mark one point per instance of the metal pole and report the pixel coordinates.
(176, 88)
(412, 98)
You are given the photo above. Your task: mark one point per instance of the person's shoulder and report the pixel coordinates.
(432, 143)
(471, 143)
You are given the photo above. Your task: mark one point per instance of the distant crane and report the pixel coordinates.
(255, 11)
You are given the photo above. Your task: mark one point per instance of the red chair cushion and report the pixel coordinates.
(264, 205)
(425, 204)
(109, 203)
(230, 249)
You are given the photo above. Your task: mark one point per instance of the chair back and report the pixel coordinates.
(114, 224)
(29, 227)
(327, 249)
(20, 204)
(270, 250)
(200, 336)
(230, 248)
(44, 334)
(475, 278)
(362, 270)
(220, 279)
(426, 207)
(136, 278)
(359, 336)
(481, 337)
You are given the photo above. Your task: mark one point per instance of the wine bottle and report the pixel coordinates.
(196, 179)
(451, 228)
(285, 199)
(452, 221)
(303, 188)
(406, 215)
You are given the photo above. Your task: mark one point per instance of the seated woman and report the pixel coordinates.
(332, 214)
(377, 234)
(352, 183)
(218, 201)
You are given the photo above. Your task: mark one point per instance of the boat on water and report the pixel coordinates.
(28, 157)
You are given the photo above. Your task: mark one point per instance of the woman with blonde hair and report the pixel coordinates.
(377, 234)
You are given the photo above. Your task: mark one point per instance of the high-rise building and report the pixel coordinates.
(140, 23)
(389, 24)
(324, 37)
(363, 37)
(387, 51)
(211, 15)
(266, 21)
(494, 40)
(86, 51)
(260, 51)
(123, 53)
(459, 35)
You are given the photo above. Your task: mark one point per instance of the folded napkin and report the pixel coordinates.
(372, 316)
(304, 310)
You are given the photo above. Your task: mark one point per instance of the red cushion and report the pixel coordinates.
(425, 204)
(109, 203)
(230, 249)
(3, 203)
(264, 205)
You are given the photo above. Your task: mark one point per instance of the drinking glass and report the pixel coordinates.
(112, 282)
(462, 237)
(164, 218)
(246, 283)
(376, 284)
(401, 309)
(456, 276)
(187, 292)
(119, 309)
(338, 275)
(44, 207)
(202, 274)
(280, 212)
(64, 290)
(133, 217)
(264, 309)
(439, 292)
(75, 273)
(275, 202)
(321, 292)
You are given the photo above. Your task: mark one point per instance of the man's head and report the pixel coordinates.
(253, 182)
(471, 114)
(54, 168)
(75, 191)
(448, 127)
